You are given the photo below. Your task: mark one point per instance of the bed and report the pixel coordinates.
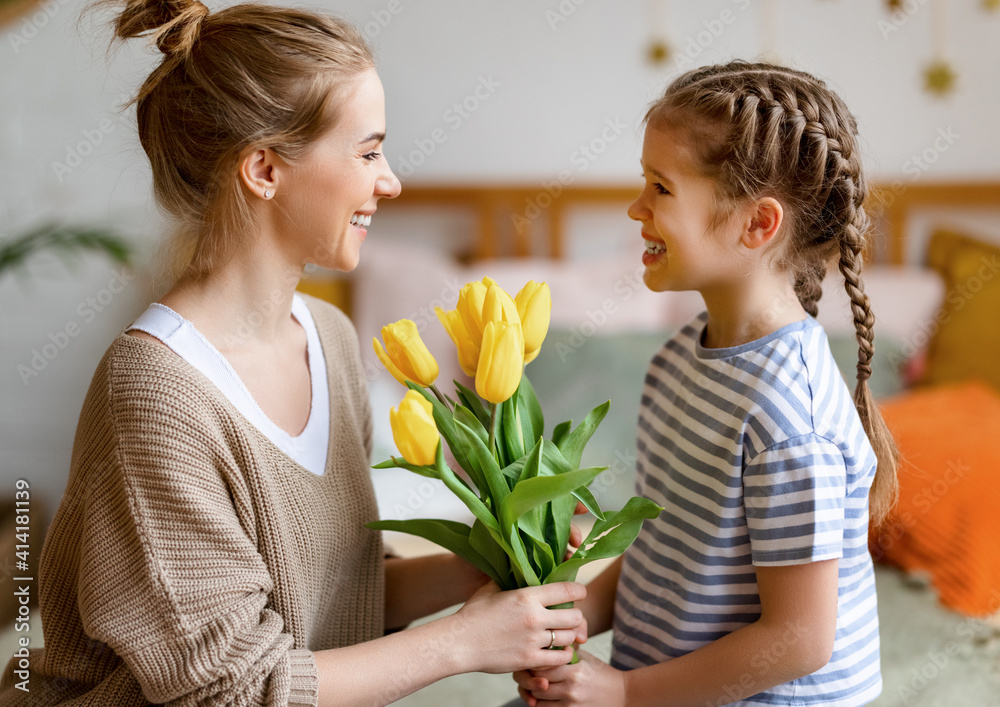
(934, 280)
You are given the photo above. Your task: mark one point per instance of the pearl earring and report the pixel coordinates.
(267, 195)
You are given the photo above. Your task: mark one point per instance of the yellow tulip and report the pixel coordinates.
(468, 349)
(501, 361)
(534, 306)
(405, 355)
(498, 306)
(413, 429)
(470, 308)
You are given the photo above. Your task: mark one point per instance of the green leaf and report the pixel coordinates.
(561, 431)
(533, 492)
(531, 465)
(484, 464)
(561, 514)
(608, 538)
(585, 497)
(572, 446)
(400, 463)
(532, 419)
(466, 417)
(465, 494)
(482, 541)
(449, 534)
(472, 401)
(521, 565)
(510, 429)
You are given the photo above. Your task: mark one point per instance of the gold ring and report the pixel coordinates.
(553, 641)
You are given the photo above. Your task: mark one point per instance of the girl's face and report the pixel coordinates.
(328, 197)
(684, 250)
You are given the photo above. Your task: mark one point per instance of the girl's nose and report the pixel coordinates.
(637, 210)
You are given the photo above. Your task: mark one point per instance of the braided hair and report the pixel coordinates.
(760, 130)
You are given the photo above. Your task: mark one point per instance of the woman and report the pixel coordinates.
(210, 547)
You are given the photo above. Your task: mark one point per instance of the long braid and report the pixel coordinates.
(763, 130)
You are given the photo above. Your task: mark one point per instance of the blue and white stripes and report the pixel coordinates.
(759, 458)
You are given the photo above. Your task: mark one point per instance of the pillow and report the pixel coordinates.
(946, 521)
(888, 372)
(966, 343)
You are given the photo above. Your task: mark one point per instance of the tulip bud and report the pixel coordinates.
(501, 361)
(413, 429)
(468, 350)
(534, 306)
(405, 355)
(470, 308)
(498, 306)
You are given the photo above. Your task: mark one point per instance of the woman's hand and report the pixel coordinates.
(503, 631)
(589, 683)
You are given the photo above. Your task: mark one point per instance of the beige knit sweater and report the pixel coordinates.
(190, 561)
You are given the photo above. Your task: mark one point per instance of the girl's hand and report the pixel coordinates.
(589, 683)
(503, 631)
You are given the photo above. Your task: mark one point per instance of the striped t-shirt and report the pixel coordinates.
(758, 456)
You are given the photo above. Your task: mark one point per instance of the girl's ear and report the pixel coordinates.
(765, 219)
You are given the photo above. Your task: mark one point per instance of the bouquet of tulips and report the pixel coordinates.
(522, 488)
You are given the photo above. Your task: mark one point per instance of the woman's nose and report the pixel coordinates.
(387, 185)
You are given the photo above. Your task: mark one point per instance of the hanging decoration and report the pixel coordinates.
(939, 77)
(658, 51)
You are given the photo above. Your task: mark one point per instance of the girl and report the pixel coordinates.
(210, 547)
(754, 586)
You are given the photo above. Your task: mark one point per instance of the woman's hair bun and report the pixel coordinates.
(173, 25)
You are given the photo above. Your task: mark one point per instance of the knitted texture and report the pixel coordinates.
(190, 561)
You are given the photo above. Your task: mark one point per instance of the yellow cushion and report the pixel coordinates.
(966, 343)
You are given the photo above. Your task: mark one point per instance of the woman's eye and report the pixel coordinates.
(372, 156)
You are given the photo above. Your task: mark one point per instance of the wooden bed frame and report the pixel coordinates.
(541, 211)
(495, 207)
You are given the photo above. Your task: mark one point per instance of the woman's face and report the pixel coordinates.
(327, 198)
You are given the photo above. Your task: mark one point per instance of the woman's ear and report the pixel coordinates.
(259, 173)
(765, 220)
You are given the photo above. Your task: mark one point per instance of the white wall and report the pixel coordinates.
(551, 75)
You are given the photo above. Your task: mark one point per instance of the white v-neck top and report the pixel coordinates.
(309, 448)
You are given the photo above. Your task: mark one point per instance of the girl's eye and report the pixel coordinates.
(660, 188)
(372, 156)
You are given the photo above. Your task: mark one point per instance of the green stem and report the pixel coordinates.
(437, 393)
(493, 429)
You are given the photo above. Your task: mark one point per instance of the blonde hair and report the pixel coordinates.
(250, 75)
(763, 130)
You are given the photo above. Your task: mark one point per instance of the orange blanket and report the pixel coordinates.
(947, 521)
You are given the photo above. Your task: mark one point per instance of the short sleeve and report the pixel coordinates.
(794, 494)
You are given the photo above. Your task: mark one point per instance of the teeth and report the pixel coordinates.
(655, 247)
(361, 220)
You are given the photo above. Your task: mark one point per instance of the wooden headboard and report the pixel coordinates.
(531, 220)
(535, 209)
